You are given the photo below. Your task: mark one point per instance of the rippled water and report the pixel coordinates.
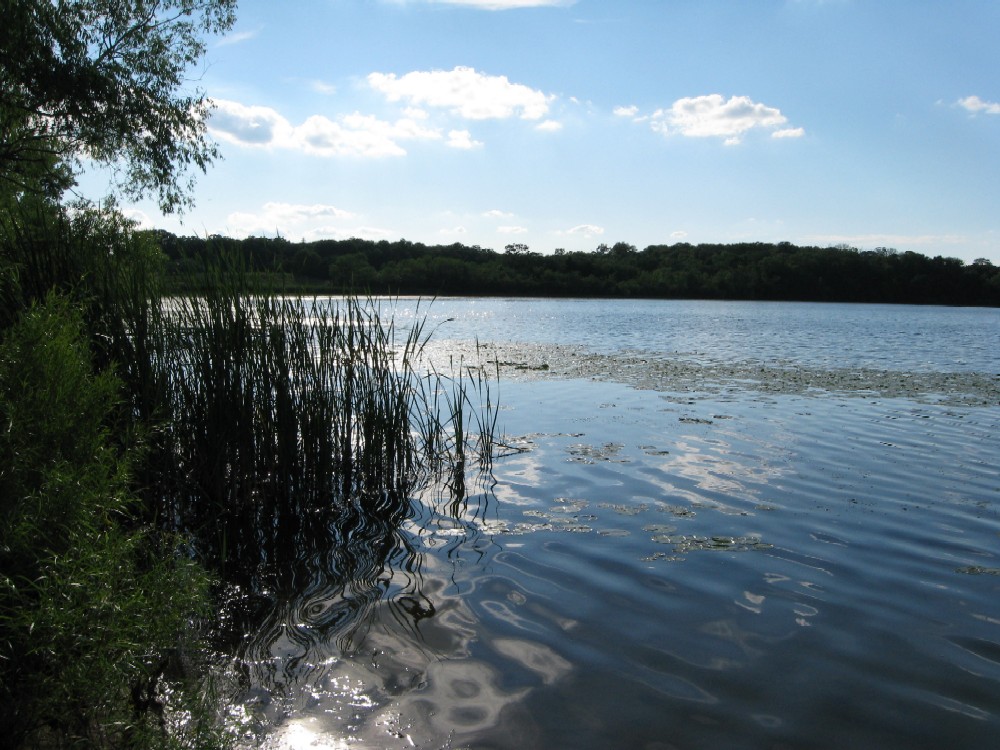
(719, 525)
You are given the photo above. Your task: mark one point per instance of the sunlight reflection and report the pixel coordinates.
(297, 736)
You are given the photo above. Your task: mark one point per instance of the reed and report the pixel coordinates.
(247, 405)
(275, 406)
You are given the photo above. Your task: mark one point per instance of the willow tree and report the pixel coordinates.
(106, 81)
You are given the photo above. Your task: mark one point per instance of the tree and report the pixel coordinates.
(105, 80)
(622, 249)
(517, 248)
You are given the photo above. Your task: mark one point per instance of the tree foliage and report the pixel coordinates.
(105, 80)
(746, 271)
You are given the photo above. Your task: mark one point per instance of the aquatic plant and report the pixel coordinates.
(272, 406)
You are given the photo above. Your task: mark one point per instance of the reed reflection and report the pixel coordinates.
(337, 609)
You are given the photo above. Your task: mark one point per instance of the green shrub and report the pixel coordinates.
(91, 605)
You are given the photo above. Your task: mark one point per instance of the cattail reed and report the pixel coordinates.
(273, 407)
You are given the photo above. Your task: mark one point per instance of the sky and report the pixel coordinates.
(571, 123)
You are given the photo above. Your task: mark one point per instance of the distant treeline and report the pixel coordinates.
(744, 271)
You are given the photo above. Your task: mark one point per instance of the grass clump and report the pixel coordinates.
(274, 406)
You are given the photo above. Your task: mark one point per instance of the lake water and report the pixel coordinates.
(735, 525)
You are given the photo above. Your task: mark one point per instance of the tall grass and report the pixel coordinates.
(276, 406)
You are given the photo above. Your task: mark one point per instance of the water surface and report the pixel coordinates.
(717, 524)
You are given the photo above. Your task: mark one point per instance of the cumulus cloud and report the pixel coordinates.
(248, 125)
(585, 230)
(465, 92)
(789, 133)
(349, 135)
(300, 211)
(712, 115)
(549, 126)
(498, 214)
(282, 218)
(975, 105)
(631, 111)
(462, 139)
(361, 135)
(340, 233)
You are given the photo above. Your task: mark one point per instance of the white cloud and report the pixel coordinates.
(498, 214)
(626, 111)
(549, 126)
(140, 217)
(462, 139)
(465, 92)
(454, 231)
(789, 133)
(586, 230)
(349, 135)
(713, 116)
(322, 87)
(975, 104)
(248, 125)
(505, 4)
(680, 234)
(352, 135)
(237, 37)
(281, 218)
(339, 233)
(512, 230)
(299, 211)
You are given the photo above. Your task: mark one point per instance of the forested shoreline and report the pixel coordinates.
(741, 271)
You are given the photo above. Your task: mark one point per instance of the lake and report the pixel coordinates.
(737, 525)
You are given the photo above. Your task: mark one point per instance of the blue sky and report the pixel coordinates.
(563, 124)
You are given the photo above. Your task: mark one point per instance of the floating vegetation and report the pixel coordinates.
(543, 367)
(675, 510)
(589, 454)
(571, 506)
(659, 528)
(625, 510)
(652, 450)
(683, 543)
(658, 556)
(687, 373)
(978, 570)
